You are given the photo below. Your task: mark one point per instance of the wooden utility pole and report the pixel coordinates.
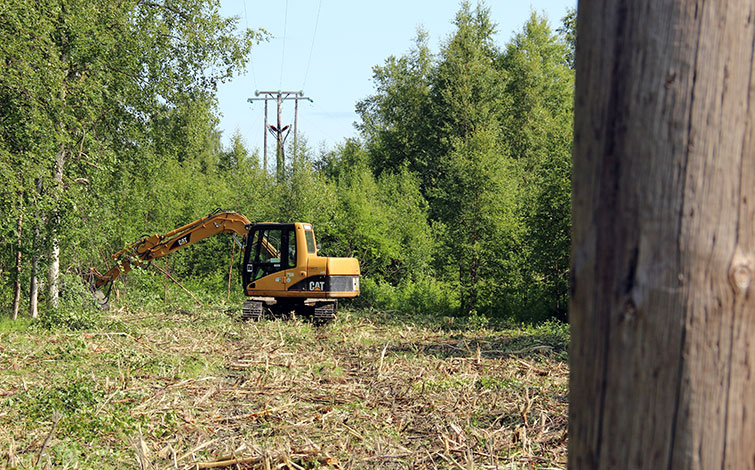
(279, 131)
(662, 311)
(296, 124)
(264, 140)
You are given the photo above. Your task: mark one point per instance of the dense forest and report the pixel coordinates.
(455, 197)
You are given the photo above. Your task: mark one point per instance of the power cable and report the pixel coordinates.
(283, 54)
(251, 62)
(312, 47)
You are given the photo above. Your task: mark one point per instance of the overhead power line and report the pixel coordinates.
(311, 48)
(251, 62)
(283, 54)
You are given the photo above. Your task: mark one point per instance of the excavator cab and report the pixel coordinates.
(283, 258)
(269, 244)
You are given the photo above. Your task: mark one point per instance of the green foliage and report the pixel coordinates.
(67, 399)
(474, 199)
(540, 129)
(305, 195)
(425, 297)
(568, 30)
(77, 309)
(497, 127)
(395, 121)
(74, 402)
(456, 198)
(383, 222)
(477, 321)
(21, 324)
(86, 81)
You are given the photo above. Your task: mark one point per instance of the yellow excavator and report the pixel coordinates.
(280, 269)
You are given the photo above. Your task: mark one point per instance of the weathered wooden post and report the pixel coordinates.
(663, 244)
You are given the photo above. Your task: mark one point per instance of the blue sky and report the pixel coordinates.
(344, 39)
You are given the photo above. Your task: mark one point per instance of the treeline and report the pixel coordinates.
(455, 198)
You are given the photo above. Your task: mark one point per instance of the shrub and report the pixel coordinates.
(77, 307)
(426, 296)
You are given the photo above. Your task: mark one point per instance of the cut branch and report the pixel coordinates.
(179, 284)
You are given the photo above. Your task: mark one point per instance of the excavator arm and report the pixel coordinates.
(160, 245)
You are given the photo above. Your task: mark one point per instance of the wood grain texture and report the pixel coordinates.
(663, 252)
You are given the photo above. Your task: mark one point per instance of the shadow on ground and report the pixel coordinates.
(453, 337)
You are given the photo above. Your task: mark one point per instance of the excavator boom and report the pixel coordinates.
(160, 245)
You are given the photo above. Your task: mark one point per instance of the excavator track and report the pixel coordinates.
(319, 311)
(252, 310)
(325, 312)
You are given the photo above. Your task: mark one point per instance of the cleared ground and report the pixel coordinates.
(202, 390)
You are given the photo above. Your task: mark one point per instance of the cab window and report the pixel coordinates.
(274, 250)
(267, 245)
(268, 250)
(310, 236)
(291, 248)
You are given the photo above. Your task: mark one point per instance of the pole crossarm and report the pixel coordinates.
(284, 95)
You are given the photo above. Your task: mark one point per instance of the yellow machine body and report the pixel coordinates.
(303, 273)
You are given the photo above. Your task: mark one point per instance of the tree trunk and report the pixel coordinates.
(473, 287)
(53, 272)
(36, 247)
(663, 237)
(17, 296)
(34, 277)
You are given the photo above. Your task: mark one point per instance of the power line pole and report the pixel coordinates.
(279, 131)
(264, 140)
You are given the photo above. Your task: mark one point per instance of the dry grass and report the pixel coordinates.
(182, 390)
